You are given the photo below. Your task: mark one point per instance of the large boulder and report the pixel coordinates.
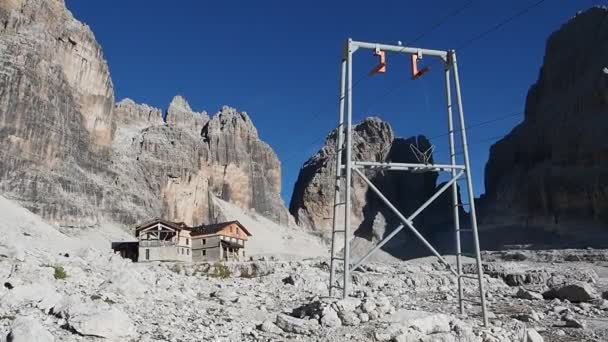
(575, 292)
(295, 325)
(100, 321)
(416, 326)
(28, 329)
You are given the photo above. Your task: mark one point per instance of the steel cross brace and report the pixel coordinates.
(406, 221)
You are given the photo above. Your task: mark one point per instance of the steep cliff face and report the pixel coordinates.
(373, 140)
(185, 170)
(130, 114)
(313, 194)
(56, 117)
(551, 170)
(74, 157)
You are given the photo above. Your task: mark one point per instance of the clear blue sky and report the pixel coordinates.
(278, 60)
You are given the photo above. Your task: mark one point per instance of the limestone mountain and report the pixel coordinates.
(550, 171)
(374, 140)
(73, 156)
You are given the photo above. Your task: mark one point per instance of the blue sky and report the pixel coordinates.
(278, 60)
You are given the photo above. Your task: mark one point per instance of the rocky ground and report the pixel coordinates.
(90, 295)
(55, 288)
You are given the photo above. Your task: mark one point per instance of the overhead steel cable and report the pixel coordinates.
(507, 20)
(479, 124)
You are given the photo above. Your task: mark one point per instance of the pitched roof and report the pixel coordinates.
(216, 227)
(174, 225)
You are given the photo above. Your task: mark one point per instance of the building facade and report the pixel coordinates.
(162, 240)
(220, 241)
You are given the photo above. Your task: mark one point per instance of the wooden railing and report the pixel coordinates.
(156, 243)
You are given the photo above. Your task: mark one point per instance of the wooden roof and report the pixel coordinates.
(215, 228)
(155, 221)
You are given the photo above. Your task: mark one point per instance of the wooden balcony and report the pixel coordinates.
(156, 243)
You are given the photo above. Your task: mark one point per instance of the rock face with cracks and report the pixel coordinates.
(373, 140)
(76, 158)
(549, 171)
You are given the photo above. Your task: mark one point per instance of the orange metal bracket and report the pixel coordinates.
(415, 72)
(381, 67)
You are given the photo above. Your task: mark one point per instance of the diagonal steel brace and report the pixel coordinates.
(406, 221)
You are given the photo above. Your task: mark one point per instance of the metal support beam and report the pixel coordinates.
(338, 186)
(408, 221)
(455, 208)
(400, 49)
(407, 166)
(465, 149)
(348, 170)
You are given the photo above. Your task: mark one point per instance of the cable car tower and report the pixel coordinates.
(346, 167)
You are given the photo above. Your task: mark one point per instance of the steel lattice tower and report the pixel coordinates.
(346, 166)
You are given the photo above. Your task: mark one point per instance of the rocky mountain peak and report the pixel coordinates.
(76, 158)
(180, 114)
(231, 121)
(373, 140)
(549, 171)
(179, 105)
(130, 113)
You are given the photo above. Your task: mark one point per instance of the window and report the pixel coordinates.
(231, 229)
(147, 236)
(187, 251)
(187, 241)
(204, 252)
(147, 254)
(204, 241)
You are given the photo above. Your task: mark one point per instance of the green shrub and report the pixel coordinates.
(59, 272)
(220, 271)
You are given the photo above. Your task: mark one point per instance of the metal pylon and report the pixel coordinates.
(346, 166)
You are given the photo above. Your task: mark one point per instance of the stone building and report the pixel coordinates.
(162, 240)
(220, 241)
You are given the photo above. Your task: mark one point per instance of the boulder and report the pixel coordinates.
(421, 321)
(330, 318)
(101, 321)
(43, 296)
(350, 318)
(529, 295)
(534, 336)
(27, 329)
(269, 327)
(571, 322)
(295, 325)
(124, 283)
(347, 305)
(574, 292)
